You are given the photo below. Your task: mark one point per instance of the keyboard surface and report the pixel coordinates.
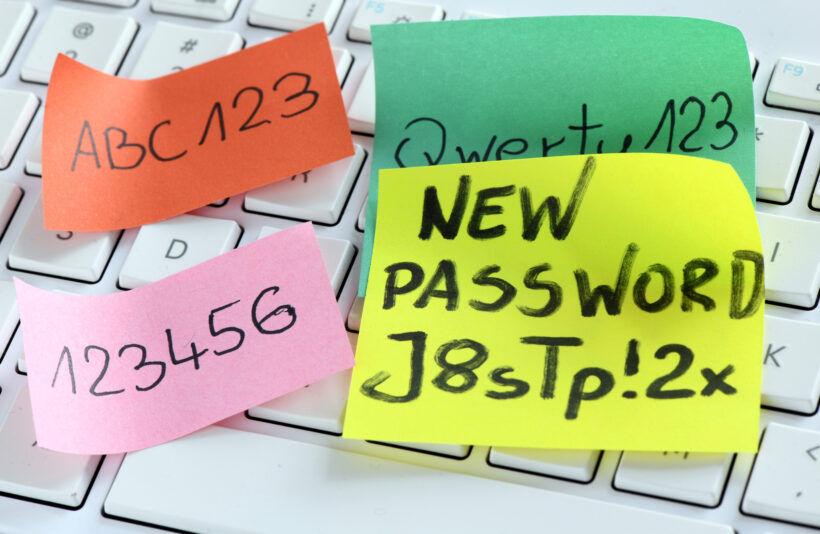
(282, 465)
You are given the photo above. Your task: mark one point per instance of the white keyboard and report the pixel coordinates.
(283, 466)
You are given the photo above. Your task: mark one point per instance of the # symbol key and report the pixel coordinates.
(188, 45)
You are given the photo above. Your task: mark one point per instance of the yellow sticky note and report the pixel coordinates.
(610, 301)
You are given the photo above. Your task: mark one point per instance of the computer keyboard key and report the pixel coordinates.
(387, 12)
(342, 60)
(360, 220)
(175, 244)
(276, 482)
(9, 316)
(791, 255)
(794, 85)
(361, 116)
(173, 47)
(791, 364)
(15, 18)
(779, 151)
(294, 14)
(319, 406)
(76, 255)
(354, 316)
(99, 40)
(29, 471)
(34, 161)
(17, 108)
(336, 253)
(697, 478)
(317, 195)
(577, 465)
(10, 195)
(220, 10)
(785, 479)
(112, 3)
(441, 449)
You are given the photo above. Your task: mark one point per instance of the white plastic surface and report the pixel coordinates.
(390, 12)
(99, 40)
(16, 111)
(791, 364)
(779, 150)
(785, 483)
(76, 255)
(294, 14)
(172, 245)
(279, 482)
(173, 47)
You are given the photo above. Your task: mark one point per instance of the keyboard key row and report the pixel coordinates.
(276, 481)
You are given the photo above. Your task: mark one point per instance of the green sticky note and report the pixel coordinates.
(465, 91)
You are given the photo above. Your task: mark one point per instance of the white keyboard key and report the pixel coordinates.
(113, 3)
(360, 221)
(175, 244)
(276, 482)
(354, 316)
(15, 18)
(32, 472)
(320, 406)
(221, 10)
(294, 14)
(791, 254)
(389, 12)
(34, 162)
(785, 480)
(794, 85)
(76, 255)
(9, 317)
(791, 364)
(697, 478)
(173, 47)
(10, 195)
(17, 108)
(779, 151)
(336, 253)
(441, 449)
(576, 465)
(96, 39)
(362, 113)
(317, 195)
(342, 60)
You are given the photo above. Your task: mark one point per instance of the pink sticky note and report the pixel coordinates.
(116, 373)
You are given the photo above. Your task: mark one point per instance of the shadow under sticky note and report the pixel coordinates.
(465, 91)
(587, 302)
(119, 153)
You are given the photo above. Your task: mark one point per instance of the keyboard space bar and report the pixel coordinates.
(224, 480)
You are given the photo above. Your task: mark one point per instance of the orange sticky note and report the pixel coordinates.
(119, 153)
